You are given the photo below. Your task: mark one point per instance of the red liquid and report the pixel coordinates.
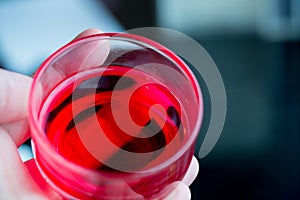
(93, 96)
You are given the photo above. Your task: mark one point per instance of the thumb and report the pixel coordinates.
(15, 181)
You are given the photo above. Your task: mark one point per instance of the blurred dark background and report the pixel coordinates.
(256, 46)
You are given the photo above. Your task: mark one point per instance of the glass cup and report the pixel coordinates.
(114, 116)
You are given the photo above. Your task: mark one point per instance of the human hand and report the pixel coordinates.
(16, 181)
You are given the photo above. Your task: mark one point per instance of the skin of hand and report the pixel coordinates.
(16, 181)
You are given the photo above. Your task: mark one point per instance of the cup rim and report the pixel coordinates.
(36, 129)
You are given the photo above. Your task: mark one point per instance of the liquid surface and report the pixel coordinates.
(134, 111)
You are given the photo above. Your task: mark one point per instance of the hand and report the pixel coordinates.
(16, 181)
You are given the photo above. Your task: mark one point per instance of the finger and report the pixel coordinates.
(87, 32)
(192, 172)
(90, 54)
(78, 58)
(18, 130)
(14, 90)
(180, 191)
(15, 182)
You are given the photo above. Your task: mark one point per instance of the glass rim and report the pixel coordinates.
(36, 128)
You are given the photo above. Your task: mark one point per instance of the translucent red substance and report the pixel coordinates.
(90, 101)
